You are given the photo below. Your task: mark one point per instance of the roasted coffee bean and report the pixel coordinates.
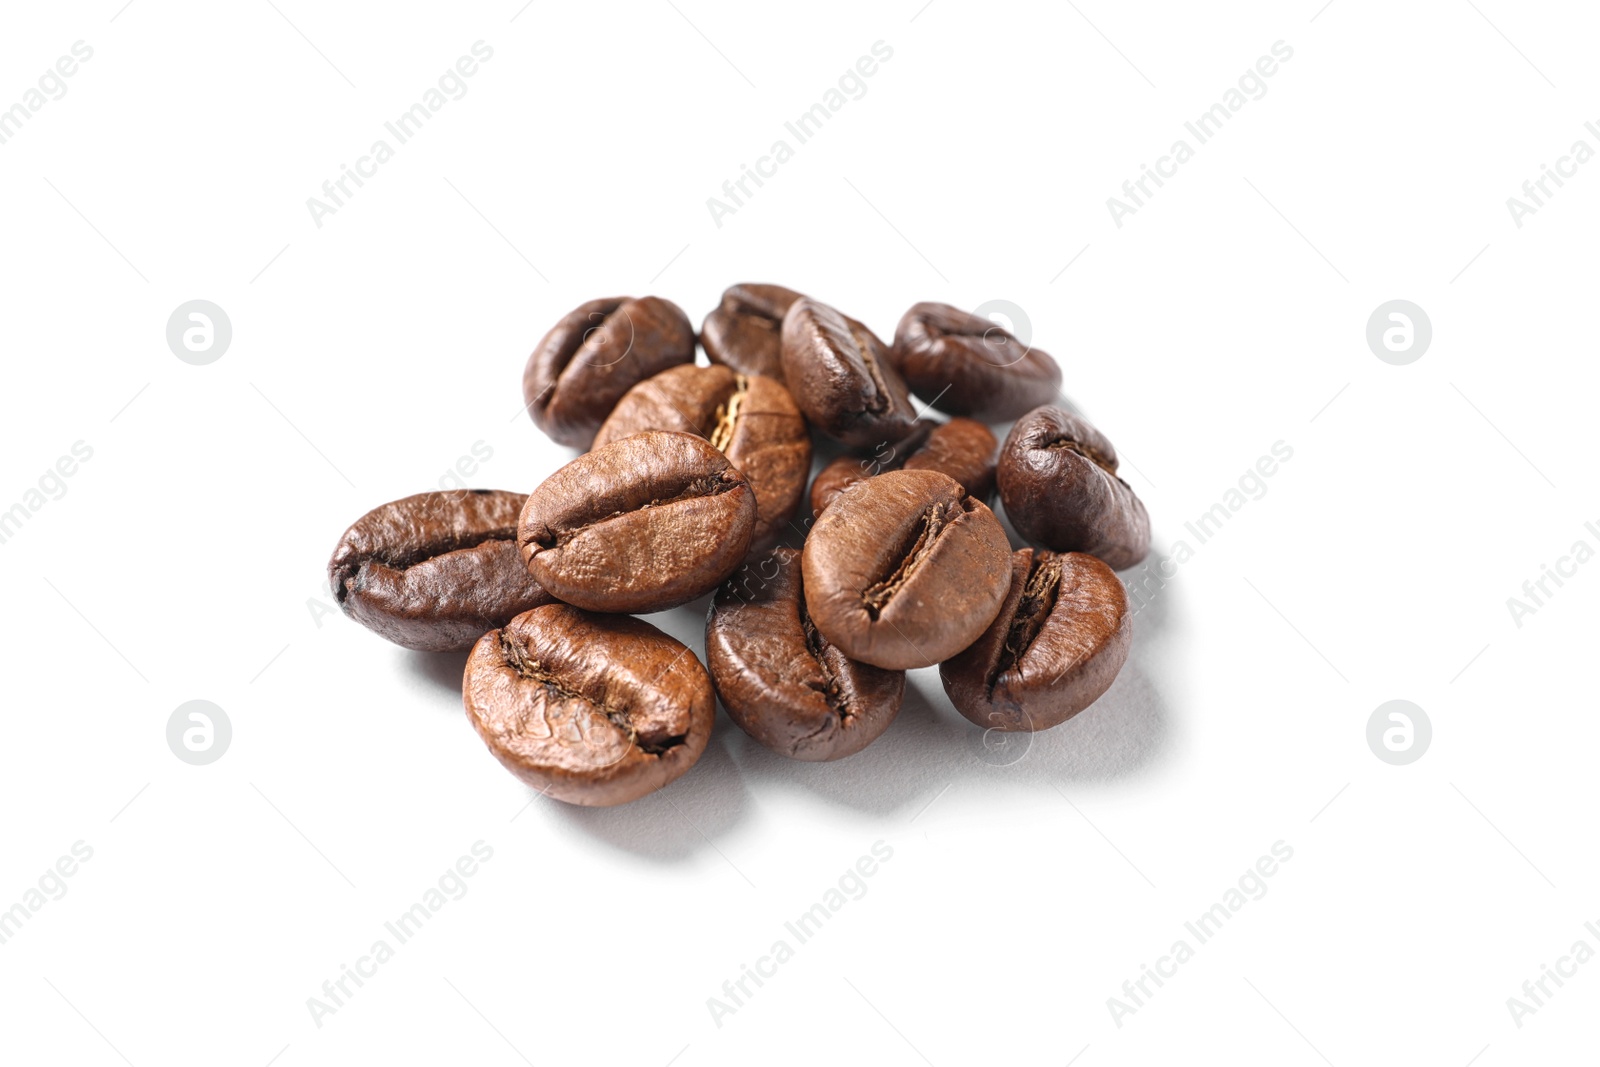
(961, 448)
(434, 571)
(751, 419)
(1056, 646)
(842, 378)
(597, 352)
(905, 570)
(589, 709)
(845, 471)
(969, 365)
(781, 680)
(745, 331)
(1058, 481)
(646, 523)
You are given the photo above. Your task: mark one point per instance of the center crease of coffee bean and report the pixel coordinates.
(878, 402)
(534, 671)
(727, 416)
(1098, 458)
(934, 520)
(830, 689)
(1033, 611)
(710, 485)
(356, 570)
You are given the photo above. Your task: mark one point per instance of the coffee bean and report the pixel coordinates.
(969, 365)
(434, 571)
(843, 472)
(589, 709)
(751, 419)
(905, 570)
(841, 377)
(597, 352)
(1058, 481)
(1061, 636)
(961, 448)
(646, 523)
(745, 330)
(782, 682)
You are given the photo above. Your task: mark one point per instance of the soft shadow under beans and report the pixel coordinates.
(442, 670)
(674, 823)
(882, 778)
(1116, 736)
(930, 746)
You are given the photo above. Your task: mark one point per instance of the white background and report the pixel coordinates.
(185, 560)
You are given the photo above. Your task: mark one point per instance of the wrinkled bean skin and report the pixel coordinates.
(905, 570)
(1058, 643)
(782, 682)
(841, 376)
(432, 572)
(590, 709)
(745, 330)
(969, 365)
(646, 523)
(595, 354)
(751, 419)
(1058, 481)
(961, 448)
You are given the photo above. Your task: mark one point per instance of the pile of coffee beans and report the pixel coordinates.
(690, 481)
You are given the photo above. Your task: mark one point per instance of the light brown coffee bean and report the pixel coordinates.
(1056, 646)
(644, 524)
(589, 709)
(905, 570)
(749, 418)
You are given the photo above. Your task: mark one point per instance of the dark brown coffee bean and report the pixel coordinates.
(1058, 481)
(749, 418)
(745, 330)
(782, 682)
(597, 352)
(434, 571)
(644, 524)
(905, 570)
(969, 365)
(1056, 646)
(589, 709)
(842, 378)
(961, 448)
